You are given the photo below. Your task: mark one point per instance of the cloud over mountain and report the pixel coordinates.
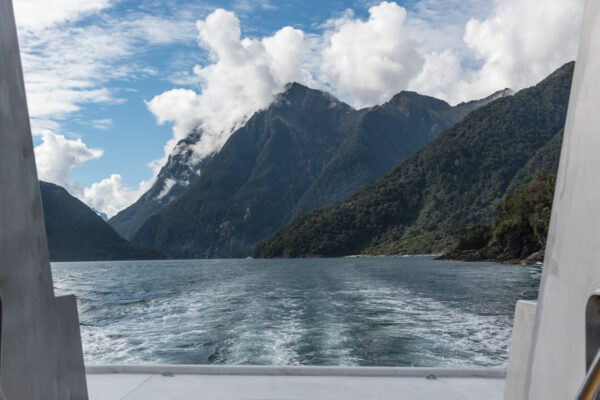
(522, 41)
(69, 65)
(367, 62)
(243, 76)
(518, 43)
(57, 155)
(455, 50)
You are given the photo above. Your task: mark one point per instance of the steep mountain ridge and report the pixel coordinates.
(306, 150)
(384, 136)
(174, 177)
(254, 180)
(456, 180)
(76, 233)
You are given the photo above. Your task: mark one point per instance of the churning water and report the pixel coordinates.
(345, 311)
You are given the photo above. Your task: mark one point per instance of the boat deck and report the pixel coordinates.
(170, 382)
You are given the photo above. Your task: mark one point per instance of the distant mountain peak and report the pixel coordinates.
(406, 97)
(76, 232)
(330, 148)
(502, 93)
(181, 168)
(295, 90)
(100, 214)
(295, 86)
(301, 96)
(305, 150)
(494, 96)
(458, 179)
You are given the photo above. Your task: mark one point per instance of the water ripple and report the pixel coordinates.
(379, 311)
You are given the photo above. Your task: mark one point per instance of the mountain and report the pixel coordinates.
(384, 136)
(76, 233)
(456, 180)
(306, 150)
(172, 180)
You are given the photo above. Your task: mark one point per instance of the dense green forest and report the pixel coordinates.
(526, 214)
(459, 179)
(520, 231)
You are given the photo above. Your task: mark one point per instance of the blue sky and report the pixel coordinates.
(132, 138)
(101, 75)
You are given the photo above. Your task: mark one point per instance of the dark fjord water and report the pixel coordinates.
(367, 311)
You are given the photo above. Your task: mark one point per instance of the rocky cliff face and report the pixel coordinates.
(174, 177)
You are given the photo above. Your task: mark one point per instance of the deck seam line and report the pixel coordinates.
(137, 387)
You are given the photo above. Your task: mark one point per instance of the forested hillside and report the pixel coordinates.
(306, 150)
(457, 180)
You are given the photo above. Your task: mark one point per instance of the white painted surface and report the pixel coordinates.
(31, 364)
(68, 327)
(572, 261)
(221, 387)
(520, 345)
(113, 386)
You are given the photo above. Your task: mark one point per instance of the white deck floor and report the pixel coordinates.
(187, 383)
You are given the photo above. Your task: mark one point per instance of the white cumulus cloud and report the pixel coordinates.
(439, 75)
(56, 156)
(370, 61)
(522, 42)
(70, 63)
(519, 43)
(456, 50)
(109, 195)
(180, 107)
(36, 14)
(243, 76)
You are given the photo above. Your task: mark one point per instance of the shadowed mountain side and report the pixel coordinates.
(76, 233)
(245, 192)
(456, 180)
(384, 136)
(306, 150)
(172, 180)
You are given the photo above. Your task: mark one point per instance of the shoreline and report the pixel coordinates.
(518, 261)
(391, 255)
(480, 256)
